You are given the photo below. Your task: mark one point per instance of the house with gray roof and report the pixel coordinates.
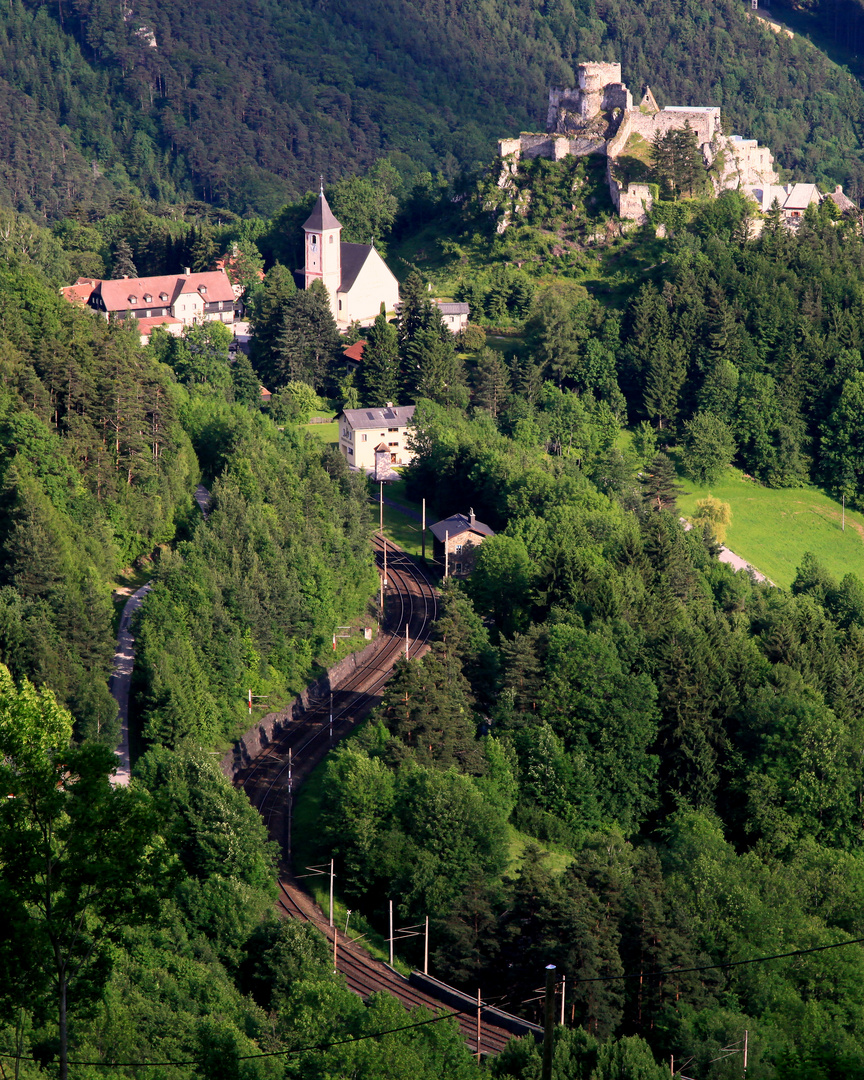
(456, 541)
(455, 315)
(356, 278)
(363, 432)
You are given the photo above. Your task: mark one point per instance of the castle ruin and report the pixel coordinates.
(598, 117)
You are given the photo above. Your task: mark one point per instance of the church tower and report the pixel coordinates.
(324, 250)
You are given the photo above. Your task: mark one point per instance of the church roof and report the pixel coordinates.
(353, 257)
(322, 217)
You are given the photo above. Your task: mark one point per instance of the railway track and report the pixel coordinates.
(274, 776)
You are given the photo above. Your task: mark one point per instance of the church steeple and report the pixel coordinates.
(323, 250)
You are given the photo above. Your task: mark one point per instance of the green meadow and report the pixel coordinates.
(772, 528)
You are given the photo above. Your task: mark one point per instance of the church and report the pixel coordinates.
(356, 278)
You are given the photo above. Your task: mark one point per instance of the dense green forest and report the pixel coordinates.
(619, 755)
(245, 109)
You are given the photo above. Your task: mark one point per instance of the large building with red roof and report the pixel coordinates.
(171, 300)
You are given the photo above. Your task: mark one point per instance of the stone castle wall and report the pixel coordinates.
(649, 125)
(598, 117)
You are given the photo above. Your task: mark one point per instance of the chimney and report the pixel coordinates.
(838, 190)
(472, 518)
(389, 404)
(186, 271)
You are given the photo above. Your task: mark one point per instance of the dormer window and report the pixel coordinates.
(133, 299)
(202, 289)
(147, 298)
(163, 296)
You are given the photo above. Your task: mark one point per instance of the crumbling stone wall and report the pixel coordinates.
(706, 124)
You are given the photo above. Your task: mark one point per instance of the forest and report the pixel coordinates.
(106, 101)
(619, 755)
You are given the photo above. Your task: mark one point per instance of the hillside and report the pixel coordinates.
(247, 110)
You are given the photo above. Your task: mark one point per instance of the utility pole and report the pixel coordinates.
(746, 1034)
(478, 1025)
(423, 531)
(289, 802)
(426, 949)
(548, 1024)
(446, 553)
(381, 507)
(331, 893)
(391, 933)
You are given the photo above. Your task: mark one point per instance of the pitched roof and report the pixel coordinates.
(147, 326)
(322, 217)
(800, 197)
(446, 308)
(79, 293)
(353, 257)
(395, 416)
(458, 524)
(840, 200)
(116, 295)
(355, 351)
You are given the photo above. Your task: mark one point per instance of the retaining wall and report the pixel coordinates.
(269, 728)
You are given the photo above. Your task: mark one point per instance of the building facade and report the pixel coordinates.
(356, 278)
(172, 301)
(362, 432)
(456, 541)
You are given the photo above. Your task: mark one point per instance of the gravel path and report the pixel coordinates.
(124, 661)
(121, 681)
(735, 561)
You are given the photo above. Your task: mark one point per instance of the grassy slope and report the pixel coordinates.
(773, 528)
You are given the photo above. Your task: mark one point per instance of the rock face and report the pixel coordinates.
(598, 116)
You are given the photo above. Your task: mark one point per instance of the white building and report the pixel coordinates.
(171, 300)
(362, 431)
(355, 276)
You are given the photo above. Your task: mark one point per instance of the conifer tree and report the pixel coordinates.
(491, 382)
(380, 380)
(660, 485)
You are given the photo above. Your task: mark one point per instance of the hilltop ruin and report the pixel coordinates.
(598, 117)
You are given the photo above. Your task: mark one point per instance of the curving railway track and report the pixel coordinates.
(273, 777)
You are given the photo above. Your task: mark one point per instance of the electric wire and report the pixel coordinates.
(320, 1047)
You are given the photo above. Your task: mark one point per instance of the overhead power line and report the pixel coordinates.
(317, 1047)
(321, 1047)
(716, 967)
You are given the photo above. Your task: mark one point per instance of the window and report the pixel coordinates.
(393, 444)
(457, 568)
(389, 429)
(202, 289)
(314, 240)
(163, 296)
(133, 299)
(147, 314)
(458, 549)
(331, 239)
(340, 305)
(147, 298)
(362, 438)
(350, 451)
(220, 305)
